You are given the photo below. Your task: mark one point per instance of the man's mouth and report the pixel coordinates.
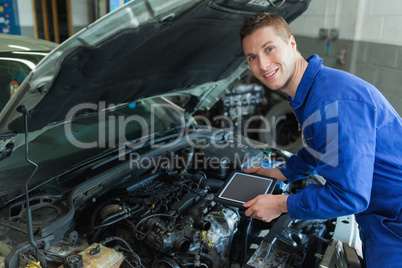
(270, 74)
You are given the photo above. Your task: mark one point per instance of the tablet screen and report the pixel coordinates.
(242, 187)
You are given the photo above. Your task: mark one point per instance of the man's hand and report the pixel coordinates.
(267, 172)
(266, 207)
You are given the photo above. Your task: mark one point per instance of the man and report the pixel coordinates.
(353, 139)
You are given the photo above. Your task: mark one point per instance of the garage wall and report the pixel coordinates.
(369, 44)
(81, 11)
(25, 14)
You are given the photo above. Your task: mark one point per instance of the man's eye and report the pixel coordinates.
(251, 58)
(270, 49)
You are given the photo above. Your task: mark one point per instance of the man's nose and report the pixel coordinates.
(264, 63)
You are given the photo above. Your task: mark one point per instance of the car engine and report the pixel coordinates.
(157, 210)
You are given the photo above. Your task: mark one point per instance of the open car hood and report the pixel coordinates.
(143, 49)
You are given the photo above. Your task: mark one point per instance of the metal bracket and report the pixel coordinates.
(277, 6)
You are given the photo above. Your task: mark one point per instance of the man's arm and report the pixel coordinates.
(346, 153)
(299, 166)
(345, 146)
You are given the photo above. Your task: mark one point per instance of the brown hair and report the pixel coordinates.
(252, 24)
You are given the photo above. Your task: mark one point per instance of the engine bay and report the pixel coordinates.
(157, 209)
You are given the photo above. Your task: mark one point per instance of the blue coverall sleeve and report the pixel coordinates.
(343, 143)
(299, 166)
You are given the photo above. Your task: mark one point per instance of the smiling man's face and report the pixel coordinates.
(271, 59)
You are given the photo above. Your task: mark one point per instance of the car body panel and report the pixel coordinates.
(141, 51)
(18, 43)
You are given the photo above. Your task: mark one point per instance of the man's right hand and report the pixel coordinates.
(267, 172)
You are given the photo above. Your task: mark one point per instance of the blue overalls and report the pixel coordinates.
(353, 139)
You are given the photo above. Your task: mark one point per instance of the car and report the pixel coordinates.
(18, 56)
(104, 161)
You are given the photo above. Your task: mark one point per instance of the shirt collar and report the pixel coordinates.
(314, 65)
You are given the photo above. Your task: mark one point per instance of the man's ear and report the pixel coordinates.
(292, 42)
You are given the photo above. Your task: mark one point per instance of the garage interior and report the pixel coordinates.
(358, 36)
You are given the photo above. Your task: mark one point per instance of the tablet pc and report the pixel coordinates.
(241, 187)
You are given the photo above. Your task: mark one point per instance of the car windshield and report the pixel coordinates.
(90, 131)
(14, 67)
